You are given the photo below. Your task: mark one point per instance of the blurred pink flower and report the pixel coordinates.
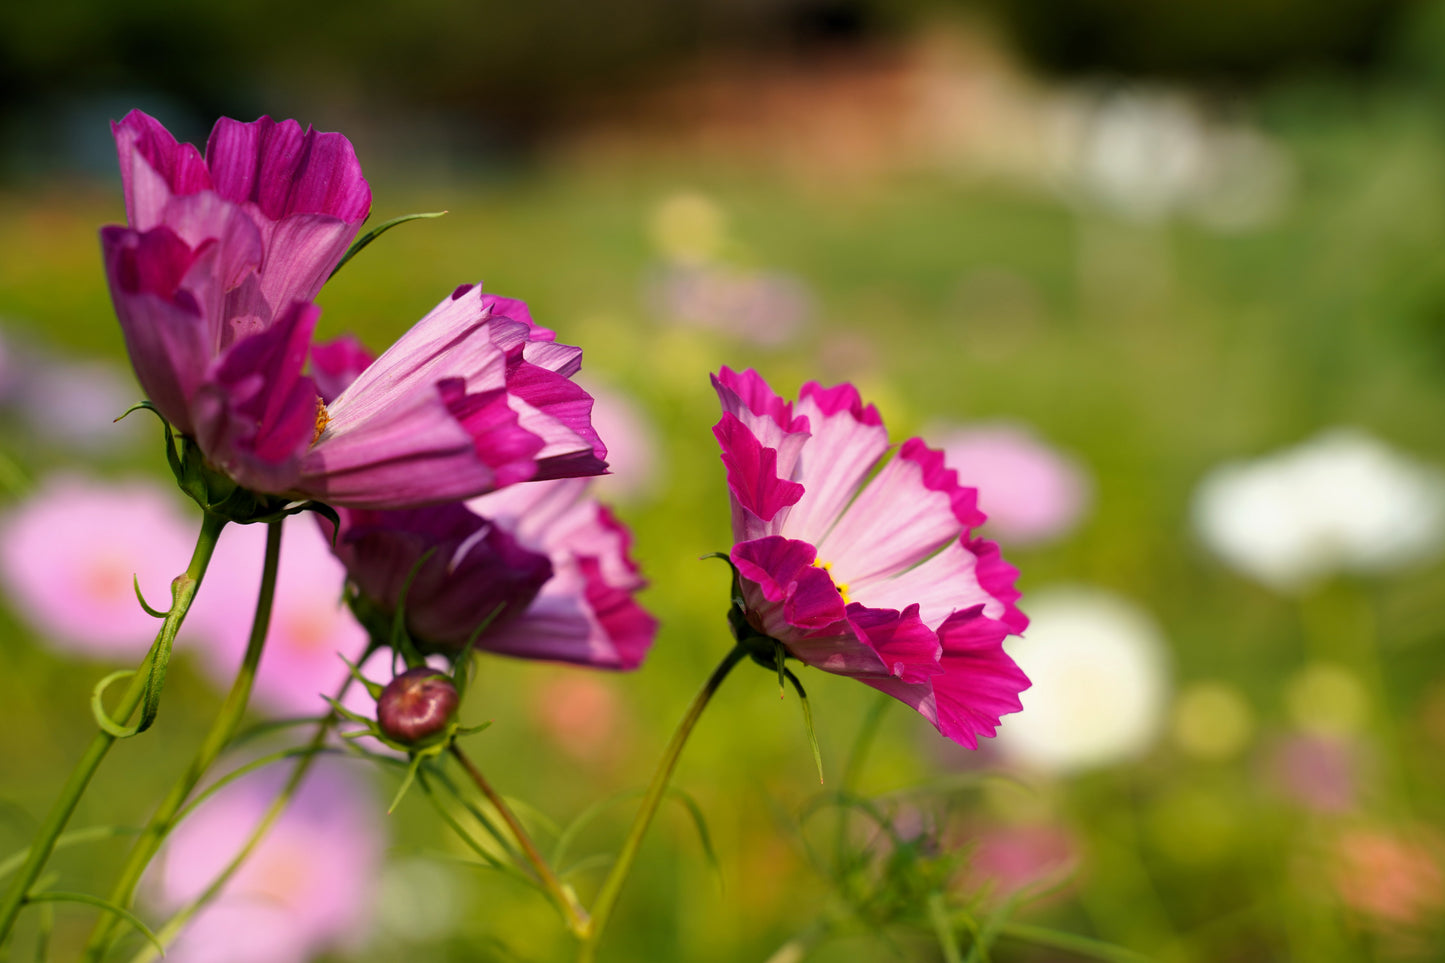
(306, 890)
(544, 561)
(1010, 861)
(632, 443)
(582, 715)
(68, 554)
(1317, 771)
(1031, 493)
(1392, 879)
(873, 575)
(762, 307)
(310, 629)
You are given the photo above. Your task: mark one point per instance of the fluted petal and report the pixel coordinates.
(284, 170)
(154, 167)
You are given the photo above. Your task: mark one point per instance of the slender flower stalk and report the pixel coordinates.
(565, 899)
(178, 922)
(146, 680)
(612, 885)
(221, 732)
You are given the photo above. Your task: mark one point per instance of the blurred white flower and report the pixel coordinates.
(1031, 493)
(1148, 153)
(1100, 682)
(1342, 502)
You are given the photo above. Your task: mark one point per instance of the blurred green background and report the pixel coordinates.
(1164, 236)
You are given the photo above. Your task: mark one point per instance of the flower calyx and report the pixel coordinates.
(215, 491)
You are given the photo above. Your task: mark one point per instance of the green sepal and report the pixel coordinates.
(346, 713)
(807, 719)
(373, 689)
(361, 242)
(406, 783)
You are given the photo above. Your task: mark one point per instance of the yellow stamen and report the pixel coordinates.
(322, 420)
(842, 587)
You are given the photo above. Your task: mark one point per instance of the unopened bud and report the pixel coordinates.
(417, 706)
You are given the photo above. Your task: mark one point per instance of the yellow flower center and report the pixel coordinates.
(842, 587)
(322, 420)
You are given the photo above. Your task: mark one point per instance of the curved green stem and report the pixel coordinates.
(612, 886)
(563, 896)
(177, 922)
(227, 721)
(183, 590)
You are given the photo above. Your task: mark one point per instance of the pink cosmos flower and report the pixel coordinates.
(306, 890)
(69, 552)
(864, 574)
(311, 627)
(544, 561)
(212, 282)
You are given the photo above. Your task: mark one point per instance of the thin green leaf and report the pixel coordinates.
(700, 822)
(584, 819)
(406, 783)
(249, 767)
(373, 689)
(97, 706)
(346, 713)
(361, 242)
(588, 862)
(64, 840)
(105, 904)
(153, 613)
(139, 406)
(943, 930)
(807, 720)
(1083, 945)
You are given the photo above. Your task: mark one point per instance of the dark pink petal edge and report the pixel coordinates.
(752, 470)
(843, 397)
(996, 577)
(761, 400)
(940, 478)
(980, 681)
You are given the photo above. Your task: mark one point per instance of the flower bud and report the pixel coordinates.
(417, 706)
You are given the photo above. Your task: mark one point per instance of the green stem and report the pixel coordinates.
(227, 721)
(563, 896)
(313, 749)
(612, 886)
(183, 590)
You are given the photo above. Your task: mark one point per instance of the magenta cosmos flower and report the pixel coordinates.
(862, 566)
(212, 282)
(543, 565)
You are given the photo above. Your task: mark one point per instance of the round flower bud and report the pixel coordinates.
(416, 706)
